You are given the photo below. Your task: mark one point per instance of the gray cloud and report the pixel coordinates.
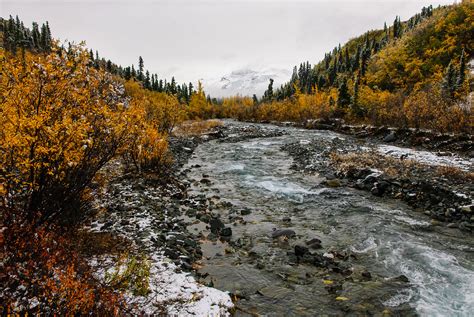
(209, 38)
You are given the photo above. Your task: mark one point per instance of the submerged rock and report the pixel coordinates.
(226, 232)
(333, 182)
(216, 225)
(300, 250)
(314, 243)
(276, 233)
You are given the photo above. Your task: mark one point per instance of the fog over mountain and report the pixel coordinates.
(233, 45)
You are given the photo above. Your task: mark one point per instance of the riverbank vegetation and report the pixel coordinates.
(63, 117)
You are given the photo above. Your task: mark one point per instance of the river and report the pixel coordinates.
(382, 236)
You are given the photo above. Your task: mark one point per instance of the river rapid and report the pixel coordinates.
(384, 257)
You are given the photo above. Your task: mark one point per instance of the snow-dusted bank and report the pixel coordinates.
(146, 214)
(171, 293)
(427, 157)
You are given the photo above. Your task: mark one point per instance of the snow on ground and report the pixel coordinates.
(426, 157)
(172, 293)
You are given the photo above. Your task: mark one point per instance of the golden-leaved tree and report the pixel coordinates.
(61, 122)
(154, 115)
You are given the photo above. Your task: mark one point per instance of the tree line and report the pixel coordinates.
(39, 39)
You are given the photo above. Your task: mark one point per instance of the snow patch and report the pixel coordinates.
(426, 157)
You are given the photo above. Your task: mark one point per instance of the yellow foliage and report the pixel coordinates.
(199, 108)
(61, 121)
(152, 116)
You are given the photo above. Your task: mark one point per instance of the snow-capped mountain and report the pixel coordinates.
(245, 82)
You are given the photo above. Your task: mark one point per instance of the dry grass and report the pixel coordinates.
(455, 173)
(391, 166)
(196, 127)
(396, 167)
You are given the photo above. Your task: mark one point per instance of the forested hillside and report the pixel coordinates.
(411, 74)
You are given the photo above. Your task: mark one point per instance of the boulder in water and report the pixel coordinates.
(216, 225)
(300, 250)
(390, 137)
(226, 232)
(276, 233)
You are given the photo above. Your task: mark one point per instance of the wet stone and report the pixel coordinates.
(216, 225)
(226, 232)
(300, 250)
(283, 233)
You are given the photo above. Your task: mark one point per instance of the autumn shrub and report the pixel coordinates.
(152, 117)
(61, 122)
(391, 166)
(42, 273)
(160, 110)
(428, 109)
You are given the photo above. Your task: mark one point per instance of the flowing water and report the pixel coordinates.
(385, 237)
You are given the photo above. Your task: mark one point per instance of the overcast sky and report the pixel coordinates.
(193, 39)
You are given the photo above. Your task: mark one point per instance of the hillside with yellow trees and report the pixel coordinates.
(411, 74)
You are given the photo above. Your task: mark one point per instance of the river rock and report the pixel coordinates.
(333, 182)
(314, 243)
(366, 274)
(226, 232)
(283, 233)
(205, 181)
(245, 212)
(300, 250)
(391, 137)
(216, 225)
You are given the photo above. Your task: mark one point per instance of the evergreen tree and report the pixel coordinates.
(36, 36)
(127, 73)
(147, 80)
(255, 99)
(140, 68)
(173, 86)
(449, 82)
(462, 71)
(355, 98)
(268, 95)
(343, 96)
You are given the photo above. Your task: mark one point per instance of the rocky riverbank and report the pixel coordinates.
(438, 186)
(445, 144)
(145, 211)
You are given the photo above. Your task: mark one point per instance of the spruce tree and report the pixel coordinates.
(449, 82)
(255, 99)
(268, 95)
(462, 71)
(355, 98)
(343, 96)
(140, 68)
(147, 80)
(35, 33)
